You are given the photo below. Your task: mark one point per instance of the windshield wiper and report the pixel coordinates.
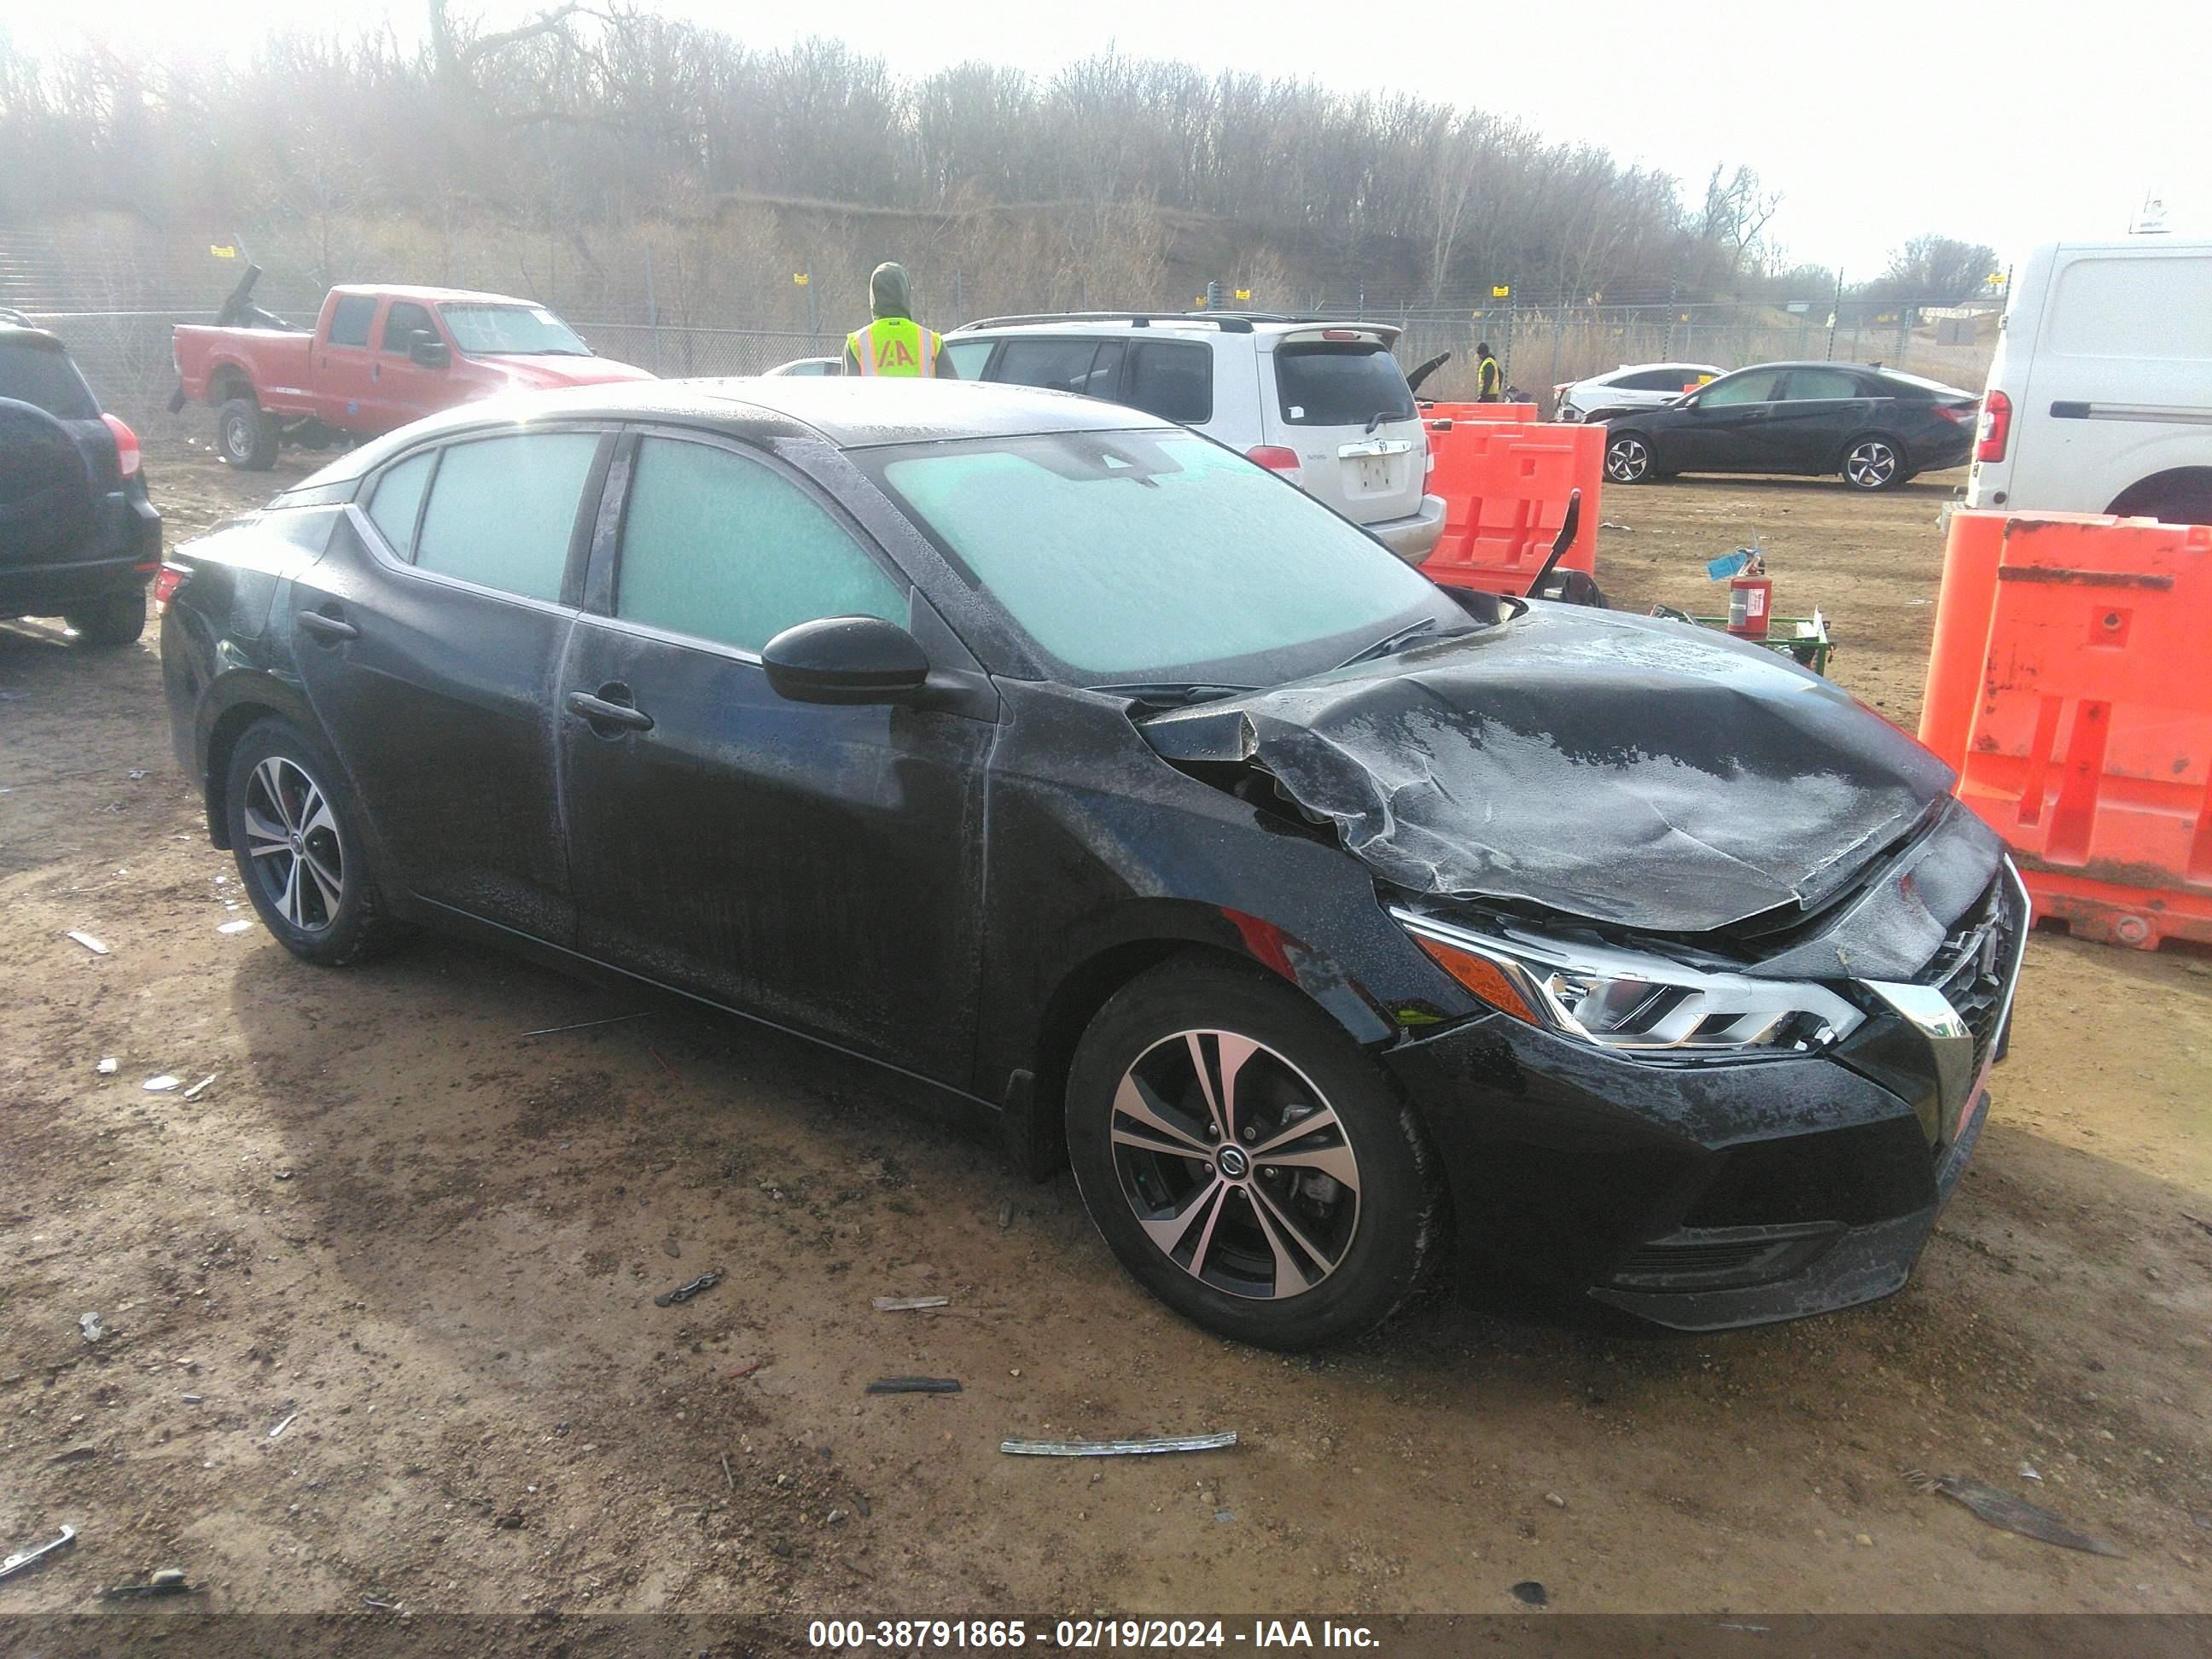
(1174, 693)
(1383, 415)
(1383, 648)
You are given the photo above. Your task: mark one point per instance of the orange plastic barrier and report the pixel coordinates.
(1522, 414)
(2070, 687)
(1505, 485)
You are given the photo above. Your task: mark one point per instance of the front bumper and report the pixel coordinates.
(124, 552)
(1413, 537)
(1700, 1197)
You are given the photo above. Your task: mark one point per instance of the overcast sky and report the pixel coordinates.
(2009, 123)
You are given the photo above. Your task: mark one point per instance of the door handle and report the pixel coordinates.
(331, 631)
(599, 712)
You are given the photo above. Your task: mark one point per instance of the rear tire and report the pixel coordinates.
(1873, 463)
(117, 620)
(301, 847)
(1318, 1243)
(246, 436)
(1628, 459)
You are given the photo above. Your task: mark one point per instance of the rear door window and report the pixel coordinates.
(1821, 385)
(351, 318)
(967, 357)
(397, 502)
(34, 372)
(1174, 379)
(503, 510)
(724, 548)
(1334, 385)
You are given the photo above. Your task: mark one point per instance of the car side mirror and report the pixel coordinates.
(846, 660)
(427, 349)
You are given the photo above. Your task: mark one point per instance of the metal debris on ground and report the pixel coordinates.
(234, 926)
(163, 1083)
(170, 1581)
(2007, 1513)
(22, 1558)
(381, 1607)
(88, 942)
(914, 1385)
(1164, 1442)
(90, 1325)
(106, 1066)
(1532, 1593)
(587, 1025)
(285, 1424)
(201, 1087)
(907, 1304)
(705, 1281)
(731, 1481)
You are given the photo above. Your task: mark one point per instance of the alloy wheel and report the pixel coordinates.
(1627, 459)
(292, 837)
(238, 440)
(1871, 464)
(1237, 1167)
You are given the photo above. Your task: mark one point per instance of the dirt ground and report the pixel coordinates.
(379, 1314)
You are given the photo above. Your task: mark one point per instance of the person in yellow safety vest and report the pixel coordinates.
(1489, 380)
(895, 345)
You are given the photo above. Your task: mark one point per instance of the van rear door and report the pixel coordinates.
(1339, 401)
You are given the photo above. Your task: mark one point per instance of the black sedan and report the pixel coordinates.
(1875, 426)
(1068, 762)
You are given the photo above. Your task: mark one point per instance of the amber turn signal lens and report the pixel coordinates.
(1480, 976)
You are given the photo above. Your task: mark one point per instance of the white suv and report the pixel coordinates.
(1323, 403)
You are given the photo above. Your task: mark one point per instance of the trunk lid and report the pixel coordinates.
(1336, 397)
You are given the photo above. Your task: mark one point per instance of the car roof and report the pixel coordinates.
(1181, 325)
(426, 295)
(851, 412)
(31, 334)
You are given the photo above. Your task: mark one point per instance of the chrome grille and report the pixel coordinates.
(1975, 969)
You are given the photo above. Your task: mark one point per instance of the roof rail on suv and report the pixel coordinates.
(1228, 322)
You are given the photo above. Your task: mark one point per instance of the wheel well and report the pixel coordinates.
(1076, 1002)
(2187, 487)
(230, 725)
(230, 383)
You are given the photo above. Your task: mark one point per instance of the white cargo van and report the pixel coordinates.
(2101, 398)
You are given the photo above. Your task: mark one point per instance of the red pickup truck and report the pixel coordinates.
(378, 358)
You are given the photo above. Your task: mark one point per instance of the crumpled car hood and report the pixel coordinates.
(1631, 770)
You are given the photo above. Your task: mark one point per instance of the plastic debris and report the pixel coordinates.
(88, 942)
(169, 1580)
(22, 1558)
(2005, 1513)
(1614, 524)
(234, 927)
(163, 1083)
(907, 1304)
(106, 1066)
(93, 1330)
(1532, 1593)
(705, 1281)
(1143, 1448)
(136, 774)
(2027, 1472)
(587, 1025)
(285, 1424)
(380, 1605)
(201, 1087)
(914, 1385)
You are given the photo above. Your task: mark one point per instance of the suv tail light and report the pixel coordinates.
(1275, 458)
(166, 583)
(1997, 427)
(126, 446)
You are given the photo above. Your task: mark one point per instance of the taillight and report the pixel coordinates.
(1341, 334)
(126, 445)
(167, 582)
(1274, 458)
(1997, 427)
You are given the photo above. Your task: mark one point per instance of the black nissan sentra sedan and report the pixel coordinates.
(1073, 763)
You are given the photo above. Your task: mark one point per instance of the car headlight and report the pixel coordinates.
(1632, 1000)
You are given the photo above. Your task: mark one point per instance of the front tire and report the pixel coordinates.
(247, 437)
(1874, 463)
(1246, 1162)
(297, 834)
(117, 620)
(1628, 459)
